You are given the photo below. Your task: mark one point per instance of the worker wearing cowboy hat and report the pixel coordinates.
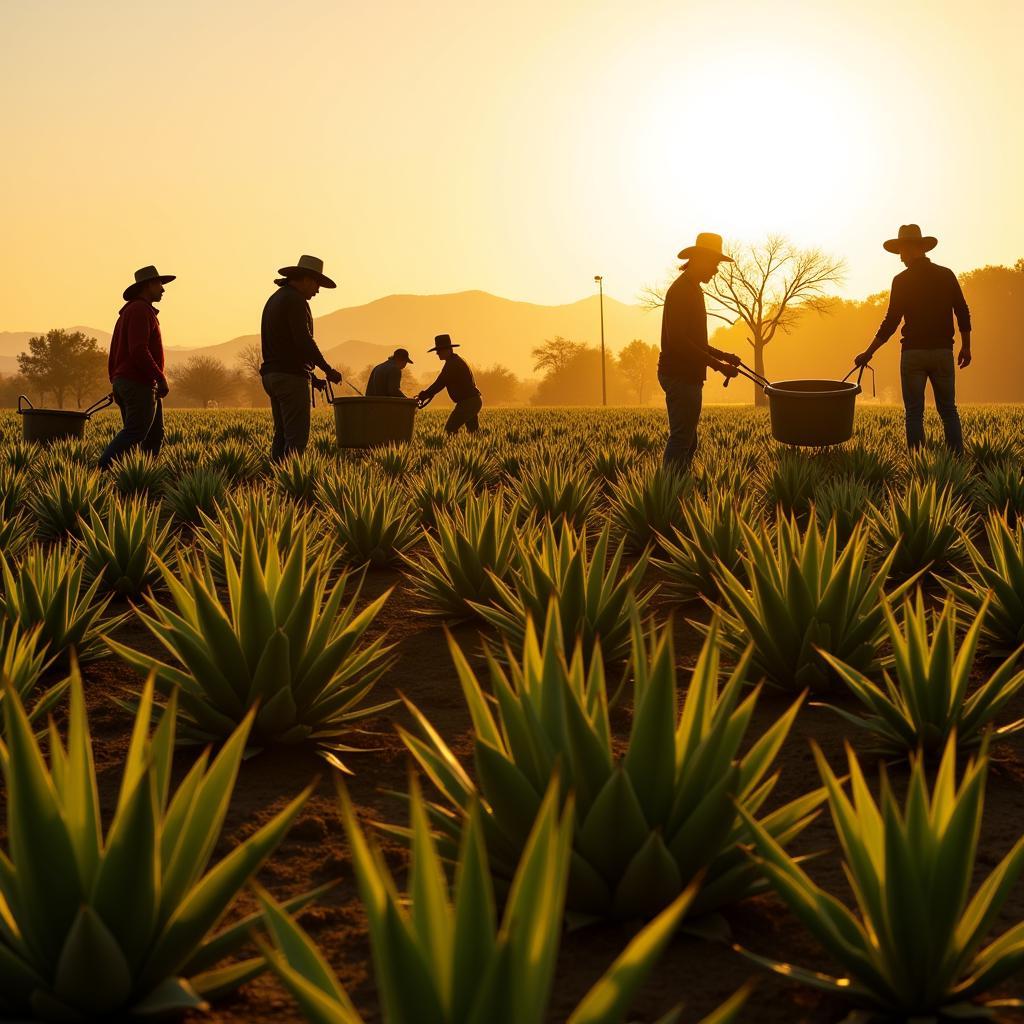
(136, 368)
(927, 298)
(685, 352)
(290, 353)
(457, 378)
(385, 380)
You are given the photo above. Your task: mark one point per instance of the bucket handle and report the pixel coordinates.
(745, 371)
(25, 399)
(866, 366)
(103, 403)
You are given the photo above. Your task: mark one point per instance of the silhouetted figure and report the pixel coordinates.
(136, 368)
(385, 379)
(926, 297)
(685, 352)
(457, 378)
(290, 353)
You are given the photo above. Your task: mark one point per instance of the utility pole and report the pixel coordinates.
(600, 288)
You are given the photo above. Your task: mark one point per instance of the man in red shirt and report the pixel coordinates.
(136, 368)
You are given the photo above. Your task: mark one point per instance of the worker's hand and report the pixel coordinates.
(863, 359)
(162, 388)
(731, 358)
(727, 370)
(963, 360)
(318, 384)
(334, 376)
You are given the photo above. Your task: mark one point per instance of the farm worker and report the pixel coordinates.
(136, 368)
(926, 297)
(685, 352)
(290, 353)
(386, 378)
(457, 378)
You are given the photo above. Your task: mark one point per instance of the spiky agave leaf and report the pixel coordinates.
(924, 699)
(139, 473)
(595, 596)
(648, 820)
(1000, 488)
(283, 642)
(193, 492)
(805, 594)
(558, 491)
(23, 660)
(915, 947)
(121, 545)
(61, 501)
(997, 581)
(442, 954)
(103, 923)
(47, 590)
(645, 505)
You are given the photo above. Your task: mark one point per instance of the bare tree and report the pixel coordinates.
(768, 287)
(249, 360)
(555, 354)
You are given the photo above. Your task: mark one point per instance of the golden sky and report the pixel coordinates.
(517, 148)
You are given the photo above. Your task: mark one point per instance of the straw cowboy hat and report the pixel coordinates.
(307, 265)
(142, 275)
(708, 244)
(442, 343)
(910, 234)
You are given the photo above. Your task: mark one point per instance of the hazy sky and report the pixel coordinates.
(517, 148)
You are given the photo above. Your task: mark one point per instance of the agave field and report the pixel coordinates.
(513, 727)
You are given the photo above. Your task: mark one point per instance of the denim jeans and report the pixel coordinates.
(917, 367)
(466, 413)
(142, 413)
(683, 399)
(289, 405)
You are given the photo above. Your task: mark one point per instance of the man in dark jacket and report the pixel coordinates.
(685, 353)
(290, 353)
(926, 297)
(457, 378)
(136, 368)
(385, 379)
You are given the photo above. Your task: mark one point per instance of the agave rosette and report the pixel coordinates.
(648, 822)
(23, 660)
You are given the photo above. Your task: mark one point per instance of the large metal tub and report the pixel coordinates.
(369, 422)
(812, 413)
(45, 425)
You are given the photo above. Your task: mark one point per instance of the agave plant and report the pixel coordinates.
(645, 505)
(194, 492)
(924, 700)
(923, 528)
(238, 462)
(709, 538)
(986, 449)
(607, 465)
(14, 490)
(138, 473)
(20, 456)
(790, 484)
(122, 545)
(595, 596)
(283, 644)
(438, 488)
(947, 470)
(15, 534)
(395, 461)
(443, 956)
(373, 523)
(997, 582)
(297, 476)
(22, 662)
(557, 492)
(61, 501)
(474, 547)
(1000, 488)
(648, 820)
(914, 949)
(807, 594)
(47, 590)
(103, 924)
(844, 502)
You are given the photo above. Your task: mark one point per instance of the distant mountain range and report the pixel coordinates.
(490, 329)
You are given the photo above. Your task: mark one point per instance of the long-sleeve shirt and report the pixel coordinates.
(457, 377)
(685, 352)
(136, 348)
(385, 381)
(287, 335)
(926, 297)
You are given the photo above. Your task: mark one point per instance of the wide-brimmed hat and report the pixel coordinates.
(707, 244)
(142, 275)
(910, 234)
(442, 343)
(307, 265)
(401, 353)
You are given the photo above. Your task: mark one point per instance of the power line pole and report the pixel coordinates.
(600, 288)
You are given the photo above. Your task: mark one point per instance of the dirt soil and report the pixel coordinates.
(698, 973)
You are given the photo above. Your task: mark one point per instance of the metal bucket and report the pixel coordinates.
(810, 413)
(45, 425)
(369, 422)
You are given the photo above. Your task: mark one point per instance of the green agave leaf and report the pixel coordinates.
(92, 973)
